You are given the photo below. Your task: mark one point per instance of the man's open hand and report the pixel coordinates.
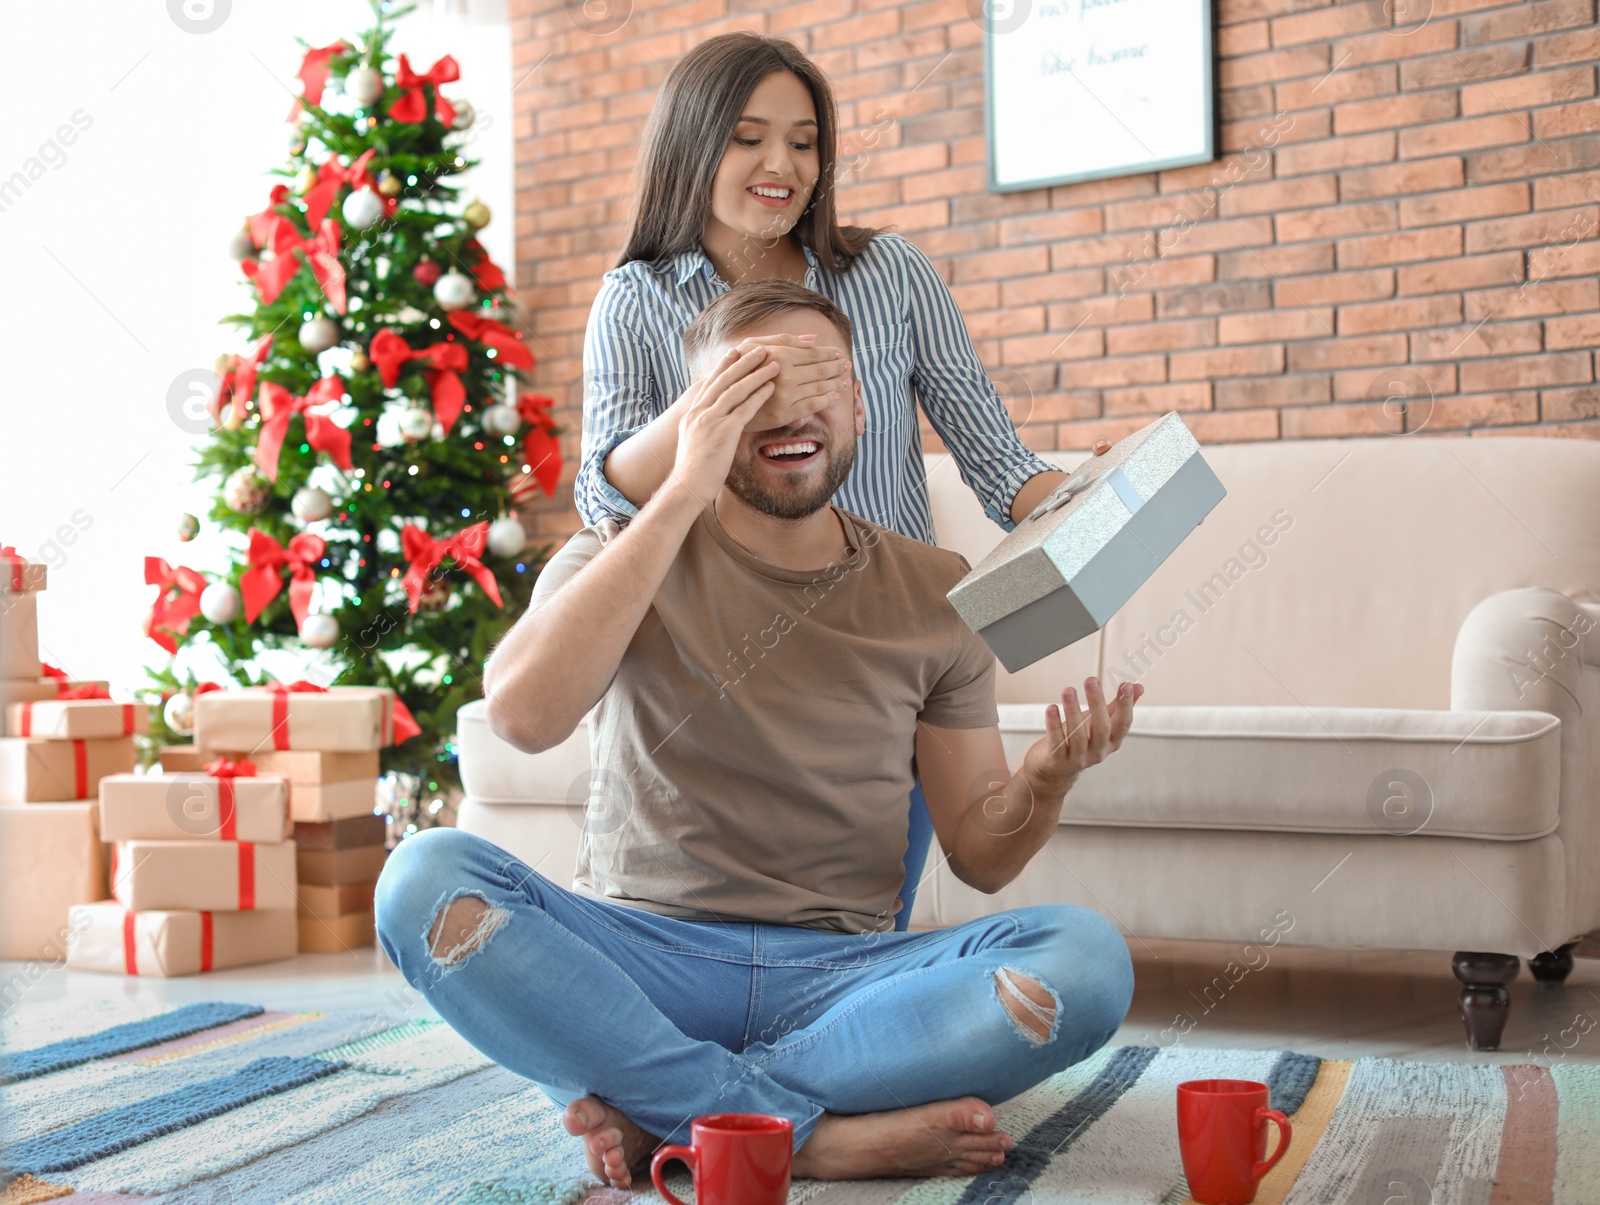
(1076, 739)
(721, 405)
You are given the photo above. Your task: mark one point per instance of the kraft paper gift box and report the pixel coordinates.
(348, 833)
(309, 767)
(256, 719)
(335, 935)
(112, 939)
(20, 582)
(161, 807)
(337, 867)
(51, 858)
(77, 719)
(187, 759)
(1068, 567)
(28, 690)
(34, 770)
(203, 876)
(327, 902)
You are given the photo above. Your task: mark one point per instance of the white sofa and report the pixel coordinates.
(1372, 716)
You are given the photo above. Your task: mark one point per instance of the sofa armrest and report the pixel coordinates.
(494, 772)
(1536, 649)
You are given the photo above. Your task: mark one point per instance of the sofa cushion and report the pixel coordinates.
(494, 772)
(1354, 770)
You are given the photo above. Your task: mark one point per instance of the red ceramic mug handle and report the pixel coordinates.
(666, 1155)
(1285, 1132)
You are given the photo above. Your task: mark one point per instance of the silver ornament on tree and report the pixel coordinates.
(220, 602)
(507, 537)
(501, 419)
(364, 85)
(318, 334)
(178, 713)
(246, 490)
(319, 631)
(415, 423)
(362, 208)
(455, 290)
(311, 504)
(241, 245)
(465, 114)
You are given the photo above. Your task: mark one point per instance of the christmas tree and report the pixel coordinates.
(369, 445)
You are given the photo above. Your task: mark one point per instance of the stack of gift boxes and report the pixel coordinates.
(324, 743)
(58, 739)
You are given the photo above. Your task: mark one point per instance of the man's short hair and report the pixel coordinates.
(748, 305)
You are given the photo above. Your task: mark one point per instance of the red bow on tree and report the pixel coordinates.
(264, 223)
(443, 363)
(176, 604)
(322, 433)
(330, 176)
(224, 768)
(322, 252)
(313, 74)
(541, 451)
(424, 554)
(484, 270)
(509, 348)
(239, 382)
(413, 106)
(259, 584)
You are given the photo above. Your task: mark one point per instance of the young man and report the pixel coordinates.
(768, 674)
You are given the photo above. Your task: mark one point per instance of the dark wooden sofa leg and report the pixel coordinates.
(1553, 966)
(1485, 1003)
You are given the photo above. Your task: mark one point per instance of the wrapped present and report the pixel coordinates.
(333, 800)
(20, 581)
(33, 769)
(335, 935)
(51, 858)
(341, 834)
(1067, 568)
(317, 900)
(87, 713)
(302, 715)
(203, 876)
(190, 759)
(27, 690)
(336, 867)
(112, 939)
(310, 768)
(65, 686)
(228, 801)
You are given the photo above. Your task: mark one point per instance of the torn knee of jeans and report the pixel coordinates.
(462, 927)
(1019, 993)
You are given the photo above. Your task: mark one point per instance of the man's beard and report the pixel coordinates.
(796, 502)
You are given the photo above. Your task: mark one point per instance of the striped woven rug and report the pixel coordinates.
(229, 1104)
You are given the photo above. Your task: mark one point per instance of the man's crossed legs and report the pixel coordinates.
(885, 1049)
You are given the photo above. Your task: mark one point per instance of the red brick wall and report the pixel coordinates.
(1402, 226)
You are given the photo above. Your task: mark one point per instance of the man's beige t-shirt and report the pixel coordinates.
(754, 755)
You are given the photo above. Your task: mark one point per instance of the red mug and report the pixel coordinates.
(1222, 1132)
(735, 1158)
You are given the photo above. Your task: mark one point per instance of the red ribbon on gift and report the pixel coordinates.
(313, 74)
(443, 362)
(25, 719)
(46, 670)
(176, 604)
(18, 564)
(225, 771)
(484, 270)
(413, 106)
(247, 876)
(268, 561)
(509, 348)
(289, 251)
(280, 707)
(278, 405)
(331, 176)
(80, 769)
(130, 956)
(424, 554)
(239, 382)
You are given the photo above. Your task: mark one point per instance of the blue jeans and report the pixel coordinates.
(667, 1019)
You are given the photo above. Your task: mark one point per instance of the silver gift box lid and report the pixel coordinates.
(1072, 563)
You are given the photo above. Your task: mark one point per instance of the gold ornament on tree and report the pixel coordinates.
(476, 215)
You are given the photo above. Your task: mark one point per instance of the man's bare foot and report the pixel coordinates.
(616, 1149)
(943, 1138)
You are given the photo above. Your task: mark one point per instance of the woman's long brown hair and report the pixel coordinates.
(688, 132)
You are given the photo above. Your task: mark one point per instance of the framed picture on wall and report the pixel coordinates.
(1084, 89)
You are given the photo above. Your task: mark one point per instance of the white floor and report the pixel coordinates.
(1336, 1004)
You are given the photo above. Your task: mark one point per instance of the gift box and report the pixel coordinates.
(341, 834)
(190, 759)
(33, 769)
(203, 876)
(1067, 568)
(333, 800)
(28, 690)
(76, 719)
(327, 902)
(159, 807)
(66, 687)
(310, 768)
(337, 867)
(335, 935)
(51, 858)
(20, 582)
(339, 719)
(112, 939)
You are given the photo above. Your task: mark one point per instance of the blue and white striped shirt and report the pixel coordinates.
(909, 335)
